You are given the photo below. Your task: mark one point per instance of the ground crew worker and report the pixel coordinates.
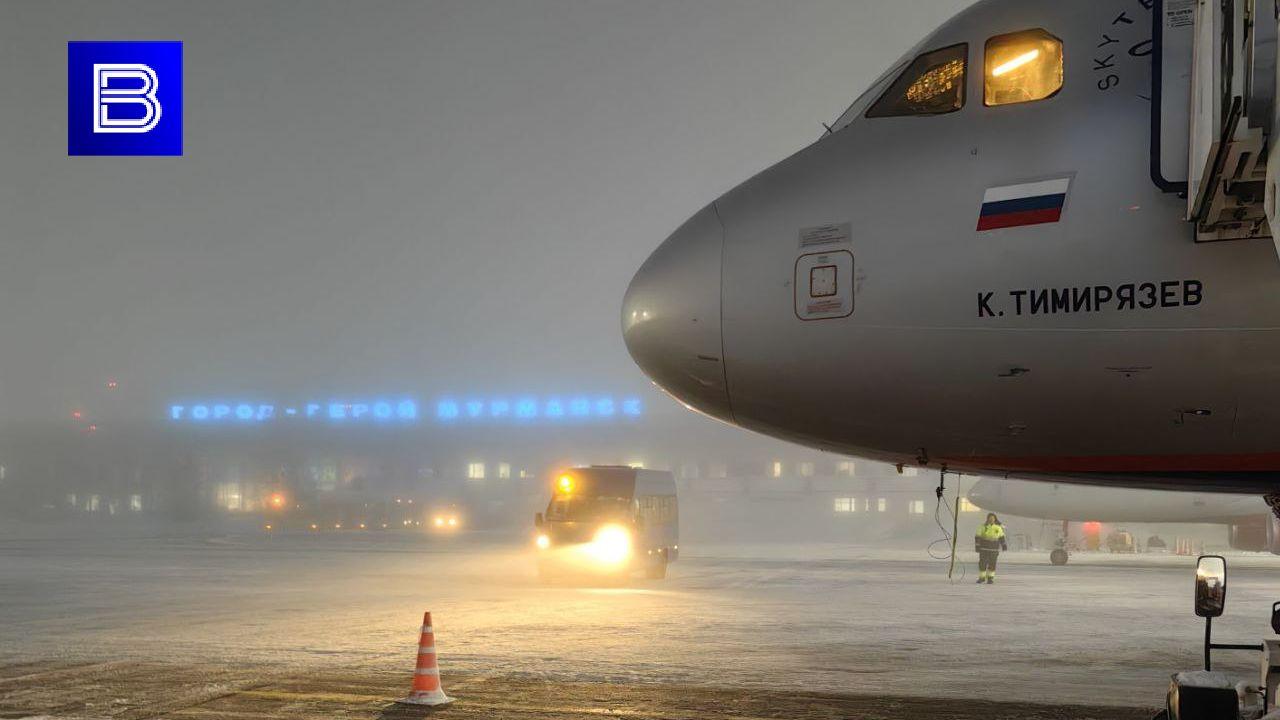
(988, 542)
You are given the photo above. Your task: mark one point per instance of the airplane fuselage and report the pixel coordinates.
(853, 298)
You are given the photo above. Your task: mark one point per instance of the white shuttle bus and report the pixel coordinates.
(609, 520)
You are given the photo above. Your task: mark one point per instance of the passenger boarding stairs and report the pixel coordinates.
(1229, 57)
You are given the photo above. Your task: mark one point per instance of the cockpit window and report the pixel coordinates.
(932, 85)
(1022, 67)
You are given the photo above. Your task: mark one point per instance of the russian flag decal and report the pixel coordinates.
(1026, 204)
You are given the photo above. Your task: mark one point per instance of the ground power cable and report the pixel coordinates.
(949, 537)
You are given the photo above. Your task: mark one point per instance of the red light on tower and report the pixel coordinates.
(77, 415)
(112, 384)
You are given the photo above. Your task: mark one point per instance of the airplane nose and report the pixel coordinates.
(671, 316)
(985, 492)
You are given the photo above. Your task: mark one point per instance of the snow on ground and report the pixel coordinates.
(1104, 629)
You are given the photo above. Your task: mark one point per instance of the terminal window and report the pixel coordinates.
(846, 505)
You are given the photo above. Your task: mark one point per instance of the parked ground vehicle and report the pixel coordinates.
(609, 520)
(1121, 541)
(1214, 695)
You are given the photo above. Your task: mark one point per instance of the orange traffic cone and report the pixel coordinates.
(426, 678)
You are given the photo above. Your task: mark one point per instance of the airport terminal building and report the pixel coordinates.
(342, 474)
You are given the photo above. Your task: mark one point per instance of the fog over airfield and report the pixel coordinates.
(390, 197)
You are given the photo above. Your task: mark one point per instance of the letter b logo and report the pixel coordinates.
(107, 92)
(124, 98)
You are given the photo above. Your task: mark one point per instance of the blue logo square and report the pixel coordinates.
(124, 98)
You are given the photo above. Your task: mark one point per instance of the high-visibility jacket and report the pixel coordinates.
(990, 537)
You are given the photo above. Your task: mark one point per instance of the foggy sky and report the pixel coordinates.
(392, 197)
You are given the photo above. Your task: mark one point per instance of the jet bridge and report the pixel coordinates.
(1214, 94)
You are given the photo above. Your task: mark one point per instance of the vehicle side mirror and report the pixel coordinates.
(537, 520)
(1275, 618)
(1211, 586)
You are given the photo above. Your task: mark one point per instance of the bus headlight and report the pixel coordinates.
(611, 545)
(543, 542)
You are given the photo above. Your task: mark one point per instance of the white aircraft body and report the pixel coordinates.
(1250, 525)
(1055, 501)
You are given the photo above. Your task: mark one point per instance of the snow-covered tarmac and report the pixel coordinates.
(822, 618)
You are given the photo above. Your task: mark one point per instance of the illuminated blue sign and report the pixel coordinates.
(452, 410)
(244, 412)
(403, 411)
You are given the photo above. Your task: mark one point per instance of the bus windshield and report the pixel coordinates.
(587, 509)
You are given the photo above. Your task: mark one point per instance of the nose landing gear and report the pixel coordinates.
(1059, 555)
